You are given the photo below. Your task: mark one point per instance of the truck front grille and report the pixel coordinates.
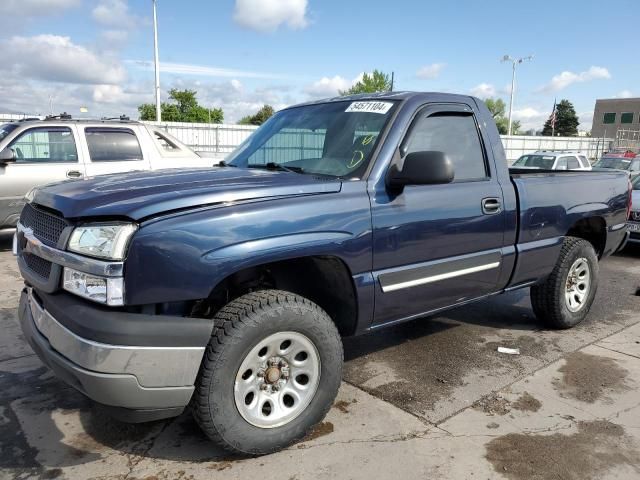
(46, 226)
(37, 265)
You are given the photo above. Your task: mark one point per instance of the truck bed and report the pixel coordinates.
(552, 201)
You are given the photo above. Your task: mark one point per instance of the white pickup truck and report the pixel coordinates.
(35, 152)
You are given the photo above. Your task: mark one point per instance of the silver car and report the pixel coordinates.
(35, 152)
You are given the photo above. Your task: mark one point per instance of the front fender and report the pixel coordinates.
(184, 257)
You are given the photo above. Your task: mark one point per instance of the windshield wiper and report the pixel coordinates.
(222, 163)
(276, 166)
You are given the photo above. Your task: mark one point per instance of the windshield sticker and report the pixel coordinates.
(370, 107)
(356, 159)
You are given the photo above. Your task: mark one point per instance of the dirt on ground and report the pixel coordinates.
(493, 405)
(589, 378)
(343, 405)
(527, 403)
(320, 430)
(597, 447)
(414, 365)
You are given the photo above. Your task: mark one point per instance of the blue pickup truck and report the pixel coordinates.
(228, 289)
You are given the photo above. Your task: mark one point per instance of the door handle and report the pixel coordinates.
(491, 206)
(74, 174)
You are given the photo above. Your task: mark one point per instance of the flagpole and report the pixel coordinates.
(553, 119)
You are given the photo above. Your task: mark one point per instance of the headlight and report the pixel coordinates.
(99, 289)
(102, 241)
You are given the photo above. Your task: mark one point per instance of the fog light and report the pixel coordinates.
(98, 289)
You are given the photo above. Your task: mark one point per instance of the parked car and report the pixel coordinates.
(229, 288)
(554, 160)
(36, 152)
(628, 164)
(634, 218)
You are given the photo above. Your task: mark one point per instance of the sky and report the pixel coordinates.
(241, 54)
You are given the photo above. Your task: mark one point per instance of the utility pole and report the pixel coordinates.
(392, 75)
(156, 60)
(514, 62)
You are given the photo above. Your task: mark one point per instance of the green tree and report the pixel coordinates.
(259, 117)
(498, 109)
(370, 83)
(182, 107)
(566, 121)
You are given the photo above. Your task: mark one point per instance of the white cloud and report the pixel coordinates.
(113, 39)
(566, 78)
(268, 15)
(124, 98)
(328, 87)
(586, 120)
(483, 90)
(235, 100)
(28, 8)
(54, 58)
(430, 71)
(530, 117)
(114, 14)
(624, 94)
(201, 70)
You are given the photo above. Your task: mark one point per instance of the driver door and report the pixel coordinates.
(439, 245)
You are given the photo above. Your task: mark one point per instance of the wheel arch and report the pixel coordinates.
(324, 279)
(592, 229)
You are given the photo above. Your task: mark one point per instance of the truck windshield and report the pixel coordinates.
(6, 129)
(535, 161)
(618, 163)
(335, 139)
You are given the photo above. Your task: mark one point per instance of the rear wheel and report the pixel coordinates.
(271, 371)
(566, 296)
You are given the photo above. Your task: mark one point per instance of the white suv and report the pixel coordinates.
(35, 152)
(553, 160)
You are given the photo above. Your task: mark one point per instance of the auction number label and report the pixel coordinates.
(370, 107)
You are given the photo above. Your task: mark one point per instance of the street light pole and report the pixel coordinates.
(514, 62)
(156, 61)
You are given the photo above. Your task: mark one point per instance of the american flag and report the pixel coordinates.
(553, 115)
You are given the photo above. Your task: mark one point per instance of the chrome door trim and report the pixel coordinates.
(437, 278)
(435, 271)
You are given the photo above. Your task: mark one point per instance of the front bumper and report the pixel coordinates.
(155, 381)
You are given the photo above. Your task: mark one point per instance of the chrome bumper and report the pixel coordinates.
(121, 376)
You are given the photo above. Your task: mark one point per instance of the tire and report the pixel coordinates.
(241, 330)
(562, 301)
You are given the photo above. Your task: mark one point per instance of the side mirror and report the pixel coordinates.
(7, 156)
(422, 168)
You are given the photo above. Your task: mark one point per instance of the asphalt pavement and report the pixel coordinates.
(432, 398)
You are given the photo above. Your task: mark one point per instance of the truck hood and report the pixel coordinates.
(139, 195)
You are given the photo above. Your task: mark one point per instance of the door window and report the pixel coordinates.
(456, 136)
(45, 145)
(573, 163)
(112, 145)
(563, 163)
(584, 161)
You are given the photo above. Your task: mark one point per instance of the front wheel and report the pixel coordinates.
(271, 371)
(566, 296)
